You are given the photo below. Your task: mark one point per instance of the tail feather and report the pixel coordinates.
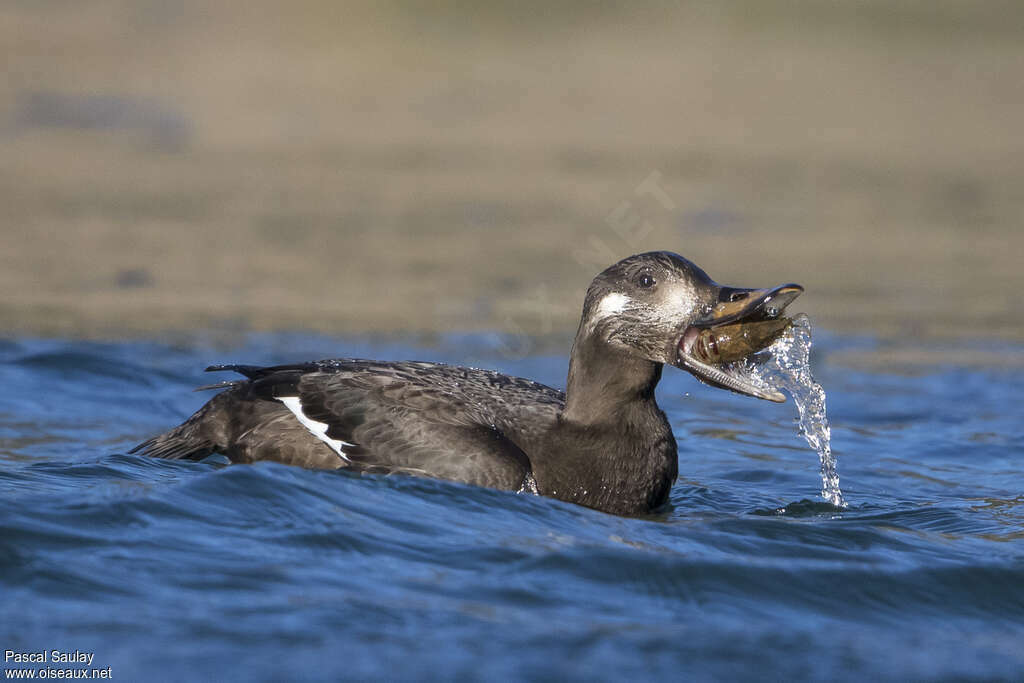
(203, 434)
(249, 371)
(173, 445)
(227, 384)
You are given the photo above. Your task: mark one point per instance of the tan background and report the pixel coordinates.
(408, 167)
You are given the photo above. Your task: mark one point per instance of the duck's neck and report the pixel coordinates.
(606, 385)
(612, 448)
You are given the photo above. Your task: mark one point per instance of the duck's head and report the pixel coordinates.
(656, 307)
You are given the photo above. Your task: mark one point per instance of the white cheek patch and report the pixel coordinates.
(611, 304)
(318, 429)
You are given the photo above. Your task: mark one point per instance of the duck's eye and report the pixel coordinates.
(645, 280)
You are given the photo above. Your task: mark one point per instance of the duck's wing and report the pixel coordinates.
(417, 418)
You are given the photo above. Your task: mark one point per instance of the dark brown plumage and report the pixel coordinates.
(603, 443)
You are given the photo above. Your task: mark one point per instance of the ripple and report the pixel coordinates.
(268, 572)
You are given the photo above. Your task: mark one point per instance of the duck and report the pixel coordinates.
(602, 442)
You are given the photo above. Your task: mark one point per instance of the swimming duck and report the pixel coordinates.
(603, 442)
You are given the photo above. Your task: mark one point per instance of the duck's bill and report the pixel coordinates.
(723, 378)
(742, 323)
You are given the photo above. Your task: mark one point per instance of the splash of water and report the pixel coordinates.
(786, 365)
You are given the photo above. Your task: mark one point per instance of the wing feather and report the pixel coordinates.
(419, 418)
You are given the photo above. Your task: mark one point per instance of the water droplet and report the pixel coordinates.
(788, 367)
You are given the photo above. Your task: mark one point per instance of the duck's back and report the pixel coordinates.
(430, 419)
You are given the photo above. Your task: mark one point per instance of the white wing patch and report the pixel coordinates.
(318, 429)
(611, 304)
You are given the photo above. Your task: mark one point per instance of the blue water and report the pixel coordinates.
(168, 570)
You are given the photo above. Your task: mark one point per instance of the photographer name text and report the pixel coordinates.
(49, 656)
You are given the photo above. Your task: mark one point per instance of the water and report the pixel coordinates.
(786, 365)
(261, 573)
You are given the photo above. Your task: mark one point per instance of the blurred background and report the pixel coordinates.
(414, 168)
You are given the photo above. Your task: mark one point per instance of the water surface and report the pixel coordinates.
(266, 572)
